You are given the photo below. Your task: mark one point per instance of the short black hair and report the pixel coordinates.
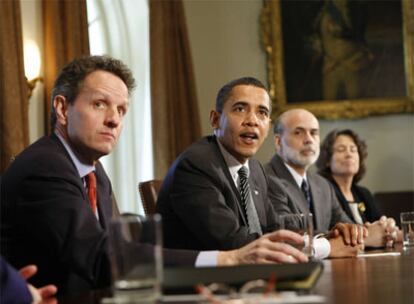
(70, 79)
(225, 92)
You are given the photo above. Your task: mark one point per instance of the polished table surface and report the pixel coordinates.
(380, 279)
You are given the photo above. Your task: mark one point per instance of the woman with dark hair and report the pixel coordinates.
(342, 161)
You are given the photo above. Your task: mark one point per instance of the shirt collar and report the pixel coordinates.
(232, 163)
(83, 169)
(296, 176)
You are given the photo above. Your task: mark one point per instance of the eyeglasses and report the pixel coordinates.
(250, 292)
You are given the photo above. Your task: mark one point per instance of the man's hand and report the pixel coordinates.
(352, 234)
(267, 249)
(40, 295)
(339, 249)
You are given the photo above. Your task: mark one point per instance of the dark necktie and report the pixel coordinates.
(247, 202)
(91, 180)
(306, 192)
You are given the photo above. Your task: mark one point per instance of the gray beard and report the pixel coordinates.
(293, 156)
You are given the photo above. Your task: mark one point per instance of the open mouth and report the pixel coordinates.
(249, 137)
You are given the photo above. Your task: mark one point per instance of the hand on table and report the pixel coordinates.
(352, 234)
(339, 248)
(269, 248)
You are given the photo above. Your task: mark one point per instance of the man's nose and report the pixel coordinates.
(113, 118)
(308, 137)
(251, 118)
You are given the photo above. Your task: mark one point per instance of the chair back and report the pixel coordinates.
(148, 191)
(393, 203)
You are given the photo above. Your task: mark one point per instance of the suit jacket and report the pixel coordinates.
(363, 195)
(201, 206)
(287, 197)
(13, 288)
(46, 219)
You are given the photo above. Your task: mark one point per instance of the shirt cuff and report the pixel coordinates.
(322, 248)
(207, 258)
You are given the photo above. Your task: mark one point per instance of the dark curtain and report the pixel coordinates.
(175, 114)
(14, 130)
(65, 36)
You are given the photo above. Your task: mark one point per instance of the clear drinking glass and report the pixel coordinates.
(136, 259)
(301, 223)
(407, 226)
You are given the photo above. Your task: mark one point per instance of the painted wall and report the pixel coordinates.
(225, 44)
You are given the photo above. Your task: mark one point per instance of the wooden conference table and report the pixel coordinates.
(379, 279)
(375, 279)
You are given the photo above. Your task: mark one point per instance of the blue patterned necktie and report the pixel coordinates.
(306, 192)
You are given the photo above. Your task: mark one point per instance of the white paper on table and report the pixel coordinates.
(377, 254)
(288, 297)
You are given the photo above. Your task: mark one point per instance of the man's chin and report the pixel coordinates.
(103, 151)
(304, 162)
(308, 162)
(244, 155)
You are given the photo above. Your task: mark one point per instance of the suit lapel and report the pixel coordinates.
(229, 180)
(318, 201)
(294, 193)
(103, 187)
(81, 184)
(342, 200)
(257, 194)
(104, 199)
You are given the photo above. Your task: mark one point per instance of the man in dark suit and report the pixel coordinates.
(51, 216)
(294, 189)
(201, 200)
(47, 218)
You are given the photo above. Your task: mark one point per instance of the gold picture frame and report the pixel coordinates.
(325, 108)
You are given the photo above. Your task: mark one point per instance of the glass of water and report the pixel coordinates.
(301, 223)
(407, 226)
(136, 259)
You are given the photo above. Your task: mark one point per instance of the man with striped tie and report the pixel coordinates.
(56, 199)
(214, 196)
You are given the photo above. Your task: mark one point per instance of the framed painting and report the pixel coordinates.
(340, 58)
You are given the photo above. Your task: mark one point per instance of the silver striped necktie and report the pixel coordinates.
(247, 202)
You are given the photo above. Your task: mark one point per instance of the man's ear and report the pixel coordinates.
(215, 119)
(61, 109)
(277, 141)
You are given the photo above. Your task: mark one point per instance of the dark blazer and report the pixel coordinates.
(13, 288)
(201, 206)
(287, 197)
(370, 213)
(46, 219)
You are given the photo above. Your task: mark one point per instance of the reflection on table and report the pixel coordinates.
(376, 279)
